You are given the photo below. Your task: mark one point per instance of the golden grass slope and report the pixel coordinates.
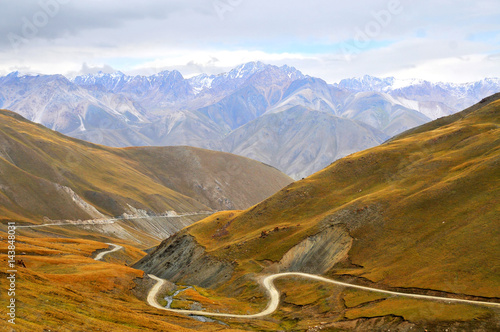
(63, 289)
(422, 210)
(219, 180)
(36, 164)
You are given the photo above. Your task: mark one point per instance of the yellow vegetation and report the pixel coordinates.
(422, 209)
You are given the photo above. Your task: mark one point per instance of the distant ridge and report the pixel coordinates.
(208, 111)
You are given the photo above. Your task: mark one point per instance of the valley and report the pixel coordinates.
(360, 245)
(344, 223)
(249, 166)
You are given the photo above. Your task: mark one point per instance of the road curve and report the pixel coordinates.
(274, 295)
(104, 253)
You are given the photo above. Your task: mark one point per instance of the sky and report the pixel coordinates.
(439, 40)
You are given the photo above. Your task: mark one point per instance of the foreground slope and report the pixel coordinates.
(419, 213)
(62, 288)
(46, 174)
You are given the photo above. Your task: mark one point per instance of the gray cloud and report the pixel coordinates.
(125, 33)
(65, 18)
(247, 21)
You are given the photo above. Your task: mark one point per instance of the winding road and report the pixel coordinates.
(104, 253)
(274, 295)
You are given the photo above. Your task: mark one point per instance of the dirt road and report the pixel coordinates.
(104, 253)
(274, 295)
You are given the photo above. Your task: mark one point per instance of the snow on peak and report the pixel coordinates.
(246, 70)
(403, 83)
(292, 72)
(201, 82)
(100, 78)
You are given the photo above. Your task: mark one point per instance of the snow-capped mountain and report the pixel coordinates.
(273, 114)
(388, 84)
(156, 91)
(108, 82)
(433, 99)
(59, 104)
(201, 82)
(365, 83)
(244, 71)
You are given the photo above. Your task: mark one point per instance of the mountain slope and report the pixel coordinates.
(227, 113)
(58, 104)
(46, 174)
(309, 92)
(383, 112)
(300, 141)
(419, 213)
(218, 180)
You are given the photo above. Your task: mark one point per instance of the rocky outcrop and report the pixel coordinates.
(181, 259)
(319, 253)
(90, 209)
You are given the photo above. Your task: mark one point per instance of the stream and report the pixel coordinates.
(170, 298)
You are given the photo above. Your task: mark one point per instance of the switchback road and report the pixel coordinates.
(104, 253)
(274, 295)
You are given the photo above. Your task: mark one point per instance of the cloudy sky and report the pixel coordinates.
(443, 40)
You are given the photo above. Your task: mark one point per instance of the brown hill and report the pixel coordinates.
(46, 174)
(418, 213)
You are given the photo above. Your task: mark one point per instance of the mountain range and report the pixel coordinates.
(249, 110)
